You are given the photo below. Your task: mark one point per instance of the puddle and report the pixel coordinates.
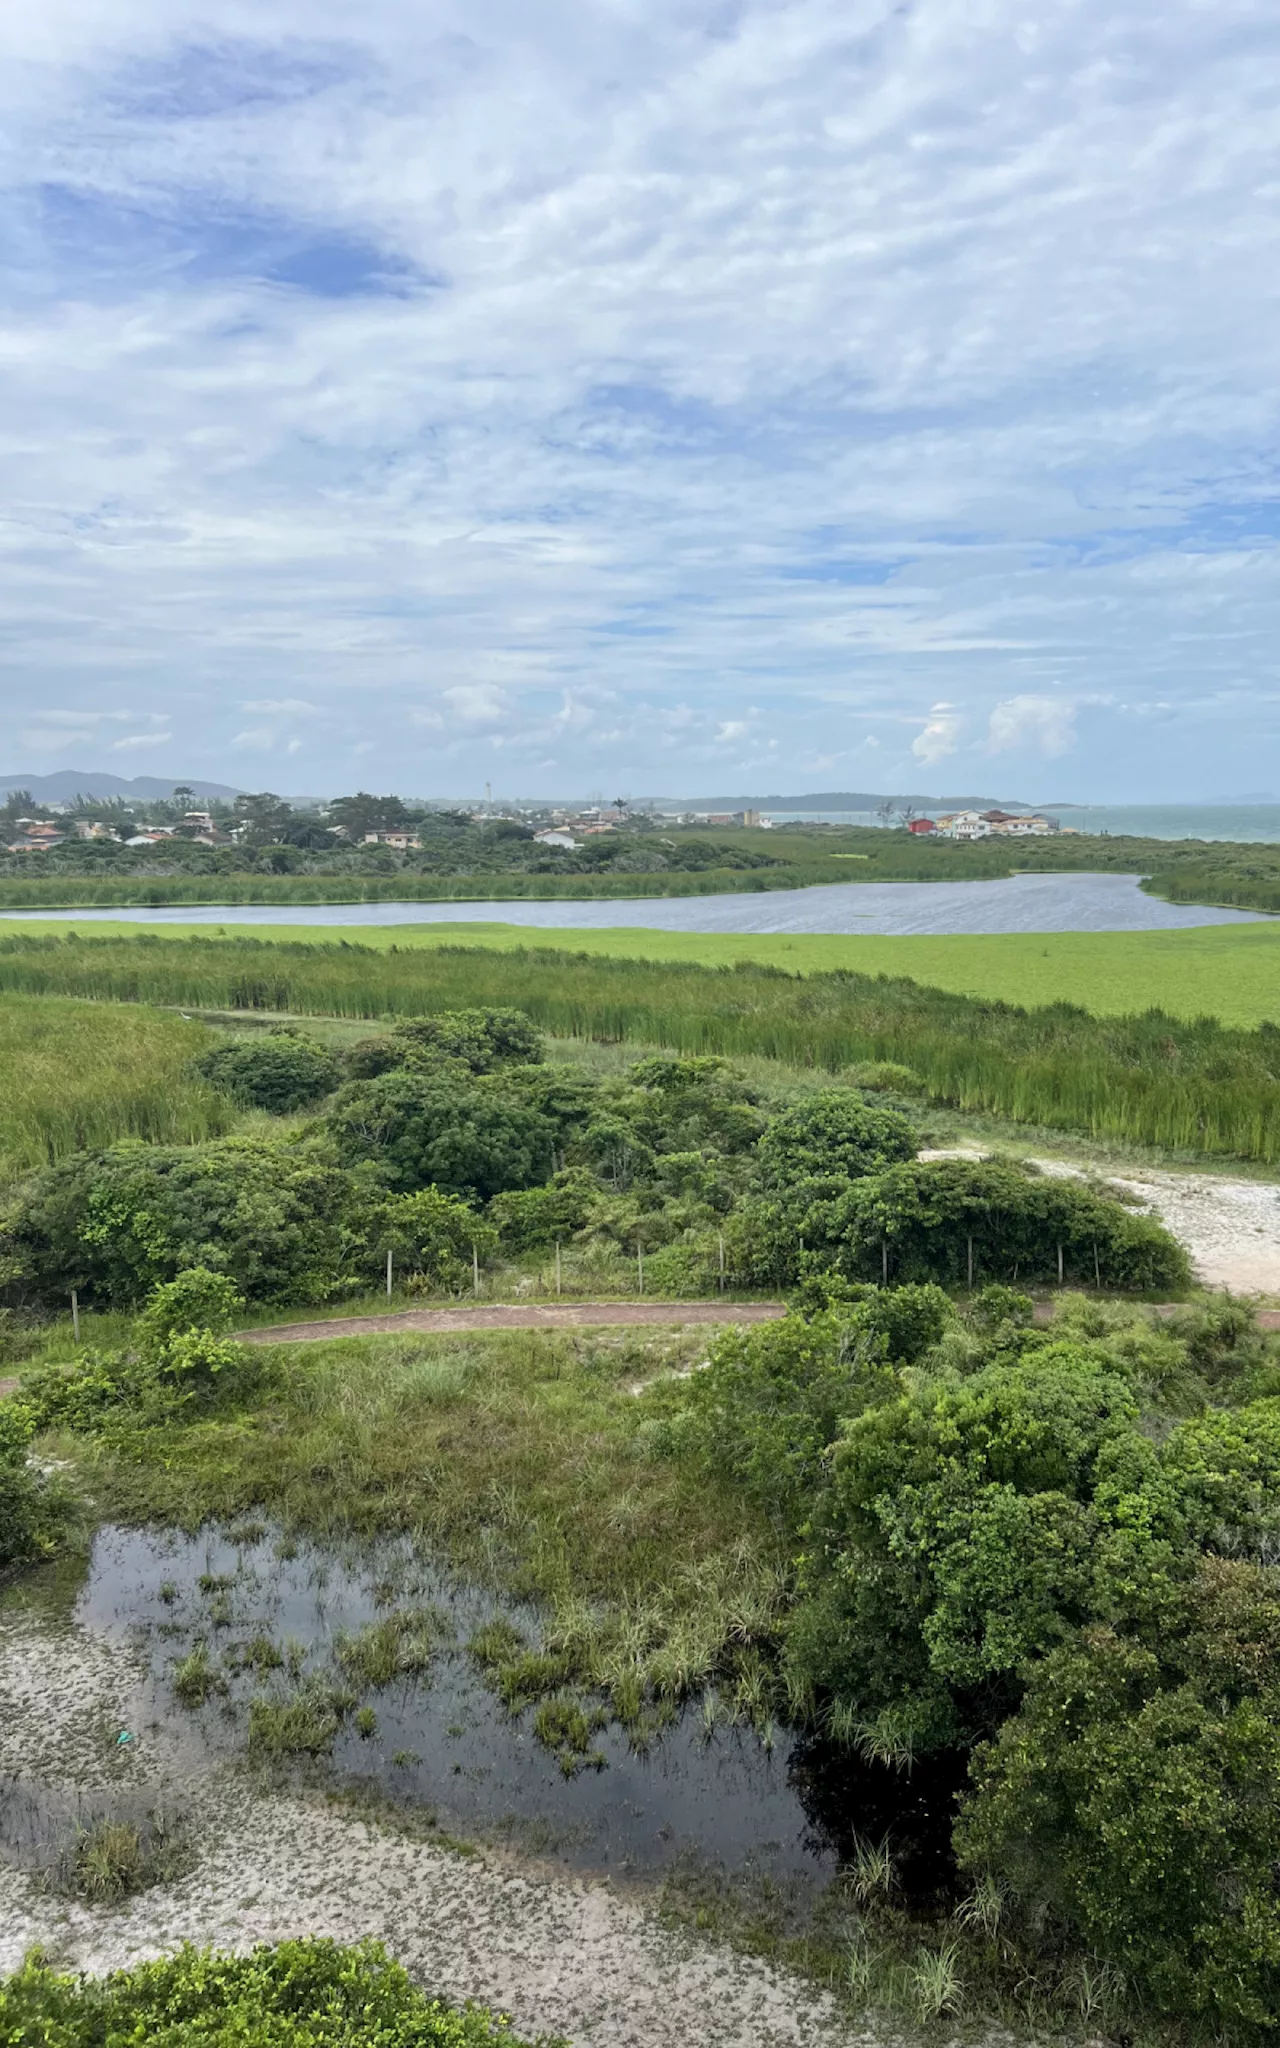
(719, 1801)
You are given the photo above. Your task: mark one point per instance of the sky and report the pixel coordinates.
(643, 397)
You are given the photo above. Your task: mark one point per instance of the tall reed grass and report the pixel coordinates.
(1186, 1085)
(50, 892)
(79, 1075)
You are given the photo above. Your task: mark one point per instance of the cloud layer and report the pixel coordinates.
(780, 392)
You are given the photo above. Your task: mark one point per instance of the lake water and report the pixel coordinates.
(709, 1793)
(1020, 903)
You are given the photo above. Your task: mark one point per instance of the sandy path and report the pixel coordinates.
(577, 1315)
(559, 1954)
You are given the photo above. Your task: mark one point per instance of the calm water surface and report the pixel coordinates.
(1020, 903)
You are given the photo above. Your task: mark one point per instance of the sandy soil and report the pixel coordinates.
(560, 1955)
(575, 1315)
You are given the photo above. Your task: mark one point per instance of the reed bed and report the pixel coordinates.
(1183, 1085)
(78, 1075)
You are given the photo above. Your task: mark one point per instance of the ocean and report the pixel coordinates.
(1255, 822)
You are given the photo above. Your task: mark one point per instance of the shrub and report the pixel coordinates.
(419, 1130)
(296, 1994)
(431, 1236)
(529, 1219)
(482, 1040)
(276, 1070)
(32, 1512)
(277, 1219)
(931, 1217)
(832, 1134)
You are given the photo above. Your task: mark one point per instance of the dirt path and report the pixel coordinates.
(571, 1956)
(568, 1315)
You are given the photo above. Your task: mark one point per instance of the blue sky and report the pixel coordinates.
(645, 396)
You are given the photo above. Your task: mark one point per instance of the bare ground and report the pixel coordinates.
(577, 1315)
(562, 1955)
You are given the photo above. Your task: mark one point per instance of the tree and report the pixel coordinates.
(362, 813)
(265, 818)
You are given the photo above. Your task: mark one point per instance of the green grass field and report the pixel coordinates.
(1231, 972)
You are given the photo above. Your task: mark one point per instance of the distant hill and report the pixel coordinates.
(69, 783)
(844, 800)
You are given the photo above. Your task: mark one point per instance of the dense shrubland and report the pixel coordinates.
(1052, 1551)
(452, 1140)
(1153, 1079)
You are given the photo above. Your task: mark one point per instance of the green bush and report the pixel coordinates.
(431, 1236)
(530, 1219)
(280, 1220)
(936, 1219)
(296, 1994)
(418, 1129)
(832, 1135)
(32, 1512)
(276, 1070)
(482, 1041)
(1134, 1803)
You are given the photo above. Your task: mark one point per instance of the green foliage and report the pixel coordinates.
(832, 1135)
(422, 1129)
(938, 1219)
(77, 1074)
(196, 1300)
(297, 1994)
(1152, 1078)
(178, 1360)
(530, 1219)
(432, 1237)
(1136, 1796)
(32, 1511)
(282, 1221)
(276, 1070)
(954, 1543)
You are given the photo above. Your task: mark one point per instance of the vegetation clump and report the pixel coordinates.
(279, 1070)
(296, 1994)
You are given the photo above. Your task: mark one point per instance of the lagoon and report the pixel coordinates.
(1017, 903)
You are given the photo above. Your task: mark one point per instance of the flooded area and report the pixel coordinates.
(1019, 903)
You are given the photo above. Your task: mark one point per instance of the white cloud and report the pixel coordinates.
(256, 739)
(141, 739)
(1033, 725)
(855, 357)
(732, 729)
(476, 703)
(938, 736)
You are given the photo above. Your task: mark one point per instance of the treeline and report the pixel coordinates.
(1188, 1085)
(297, 859)
(143, 890)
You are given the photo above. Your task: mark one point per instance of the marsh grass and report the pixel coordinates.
(79, 1075)
(398, 1645)
(111, 1860)
(302, 1723)
(1151, 1078)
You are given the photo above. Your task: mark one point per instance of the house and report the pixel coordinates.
(921, 825)
(964, 825)
(402, 841)
(556, 837)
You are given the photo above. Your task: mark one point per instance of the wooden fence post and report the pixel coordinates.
(75, 1314)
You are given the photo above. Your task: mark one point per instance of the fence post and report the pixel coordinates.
(1059, 1265)
(75, 1314)
(475, 1267)
(970, 1242)
(884, 1262)
(722, 1262)
(557, 1265)
(389, 1265)
(640, 1264)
